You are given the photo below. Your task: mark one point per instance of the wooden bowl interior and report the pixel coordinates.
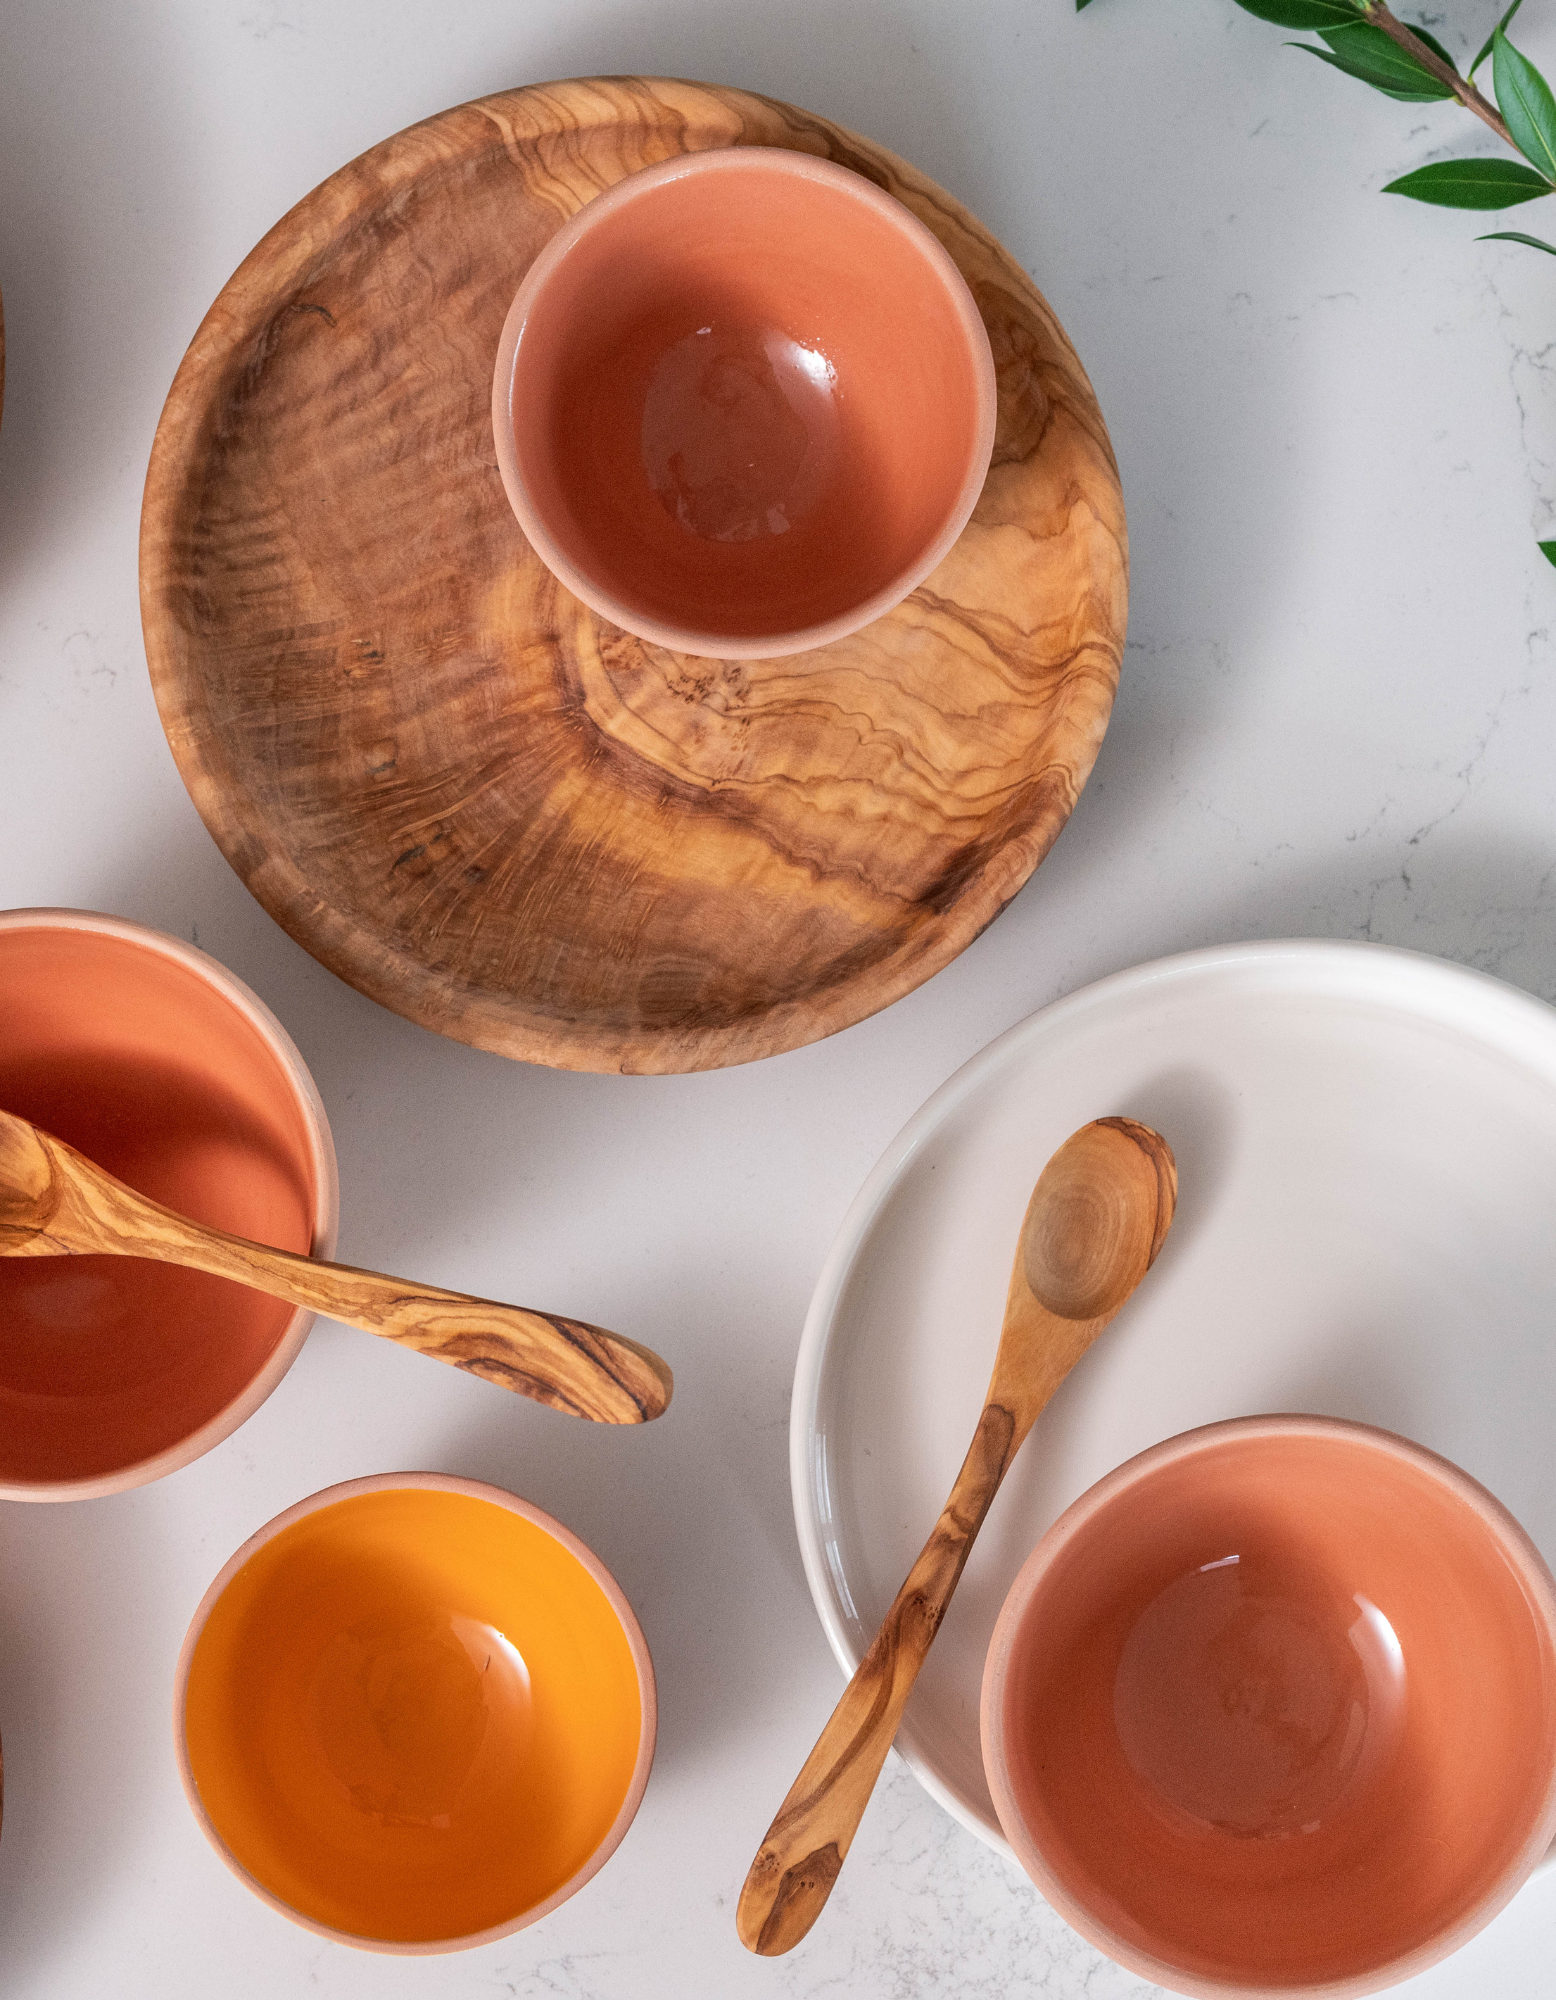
(484, 805)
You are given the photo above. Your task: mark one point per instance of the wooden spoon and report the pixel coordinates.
(1096, 1220)
(55, 1203)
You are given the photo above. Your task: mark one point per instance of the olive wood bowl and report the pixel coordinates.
(476, 800)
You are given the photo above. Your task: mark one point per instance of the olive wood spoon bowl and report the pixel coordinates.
(1096, 1220)
(55, 1203)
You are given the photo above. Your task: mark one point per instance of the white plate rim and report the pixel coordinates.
(1526, 1030)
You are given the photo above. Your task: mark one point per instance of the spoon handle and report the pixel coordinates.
(565, 1363)
(562, 1362)
(792, 1876)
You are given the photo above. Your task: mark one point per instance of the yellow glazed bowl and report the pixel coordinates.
(414, 1713)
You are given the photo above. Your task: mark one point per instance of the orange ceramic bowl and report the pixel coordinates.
(744, 403)
(414, 1713)
(1272, 1710)
(148, 1057)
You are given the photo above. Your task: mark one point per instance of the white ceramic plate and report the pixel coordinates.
(1366, 1146)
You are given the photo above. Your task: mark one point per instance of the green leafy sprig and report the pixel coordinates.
(1363, 39)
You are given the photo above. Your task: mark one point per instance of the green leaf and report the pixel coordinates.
(1390, 68)
(1516, 236)
(1079, 4)
(1495, 183)
(1524, 100)
(1475, 65)
(1401, 78)
(1304, 13)
(1548, 550)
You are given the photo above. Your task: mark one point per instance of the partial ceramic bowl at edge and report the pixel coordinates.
(414, 1713)
(1271, 1710)
(744, 403)
(157, 1063)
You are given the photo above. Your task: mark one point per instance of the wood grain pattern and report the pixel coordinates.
(1097, 1218)
(474, 799)
(55, 1203)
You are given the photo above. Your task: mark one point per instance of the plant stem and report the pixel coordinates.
(1380, 17)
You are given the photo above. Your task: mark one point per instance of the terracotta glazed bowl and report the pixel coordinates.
(744, 403)
(152, 1060)
(414, 1713)
(1272, 1710)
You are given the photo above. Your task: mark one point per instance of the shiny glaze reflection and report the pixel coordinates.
(741, 431)
(422, 1721)
(1256, 1698)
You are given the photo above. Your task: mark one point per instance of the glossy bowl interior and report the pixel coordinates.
(1272, 1709)
(744, 402)
(152, 1060)
(415, 1713)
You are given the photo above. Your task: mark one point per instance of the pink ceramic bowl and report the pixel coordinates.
(154, 1061)
(744, 403)
(1272, 1710)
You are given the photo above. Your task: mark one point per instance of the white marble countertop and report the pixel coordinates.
(1337, 428)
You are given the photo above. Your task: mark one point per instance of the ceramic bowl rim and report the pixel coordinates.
(326, 1201)
(643, 1668)
(646, 181)
(1369, 1440)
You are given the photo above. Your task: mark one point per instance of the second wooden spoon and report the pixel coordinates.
(56, 1203)
(1098, 1215)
